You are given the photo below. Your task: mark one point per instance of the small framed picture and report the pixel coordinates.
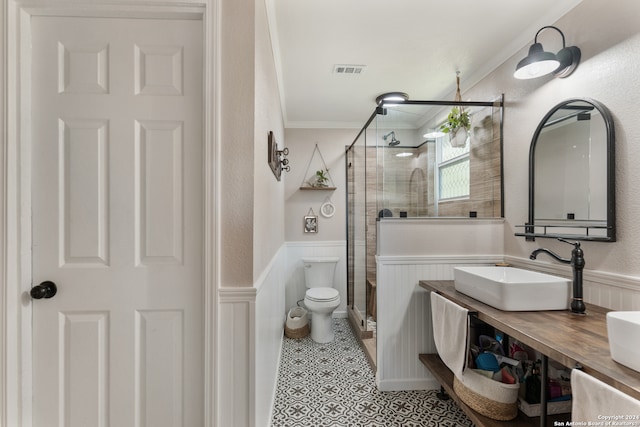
(311, 224)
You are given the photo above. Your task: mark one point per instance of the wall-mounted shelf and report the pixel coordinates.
(317, 176)
(318, 188)
(582, 231)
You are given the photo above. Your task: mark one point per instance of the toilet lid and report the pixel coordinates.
(322, 294)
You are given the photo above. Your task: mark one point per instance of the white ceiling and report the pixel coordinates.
(412, 46)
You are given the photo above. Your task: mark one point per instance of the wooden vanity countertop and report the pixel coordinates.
(565, 337)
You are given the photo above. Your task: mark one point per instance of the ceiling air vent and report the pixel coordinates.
(349, 69)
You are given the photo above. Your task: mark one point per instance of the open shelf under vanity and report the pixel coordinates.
(444, 376)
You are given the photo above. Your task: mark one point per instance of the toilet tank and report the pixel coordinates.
(319, 272)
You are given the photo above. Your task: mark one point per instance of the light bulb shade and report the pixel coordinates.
(537, 63)
(404, 154)
(392, 97)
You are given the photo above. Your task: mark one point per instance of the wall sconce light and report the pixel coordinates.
(539, 63)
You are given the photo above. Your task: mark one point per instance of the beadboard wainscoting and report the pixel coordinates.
(251, 327)
(270, 318)
(404, 326)
(294, 271)
(251, 322)
(410, 250)
(236, 355)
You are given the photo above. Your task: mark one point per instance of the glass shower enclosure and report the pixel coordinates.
(404, 165)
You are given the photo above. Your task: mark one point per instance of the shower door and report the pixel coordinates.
(357, 229)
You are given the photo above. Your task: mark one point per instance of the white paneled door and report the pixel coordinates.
(117, 214)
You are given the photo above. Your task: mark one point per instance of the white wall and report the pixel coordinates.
(440, 237)
(237, 92)
(268, 195)
(301, 143)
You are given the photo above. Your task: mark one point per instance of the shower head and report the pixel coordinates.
(393, 141)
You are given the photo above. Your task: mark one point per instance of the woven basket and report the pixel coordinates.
(485, 405)
(297, 333)
(297, 324)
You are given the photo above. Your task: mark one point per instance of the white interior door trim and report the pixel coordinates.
(15, 222)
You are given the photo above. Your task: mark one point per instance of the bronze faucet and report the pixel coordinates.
(577, 265)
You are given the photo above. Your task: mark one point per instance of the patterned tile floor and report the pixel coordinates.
(333, 385)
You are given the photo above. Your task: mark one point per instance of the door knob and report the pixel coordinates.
(44, 290)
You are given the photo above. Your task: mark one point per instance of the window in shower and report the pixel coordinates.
(453, 170)
(415, 172)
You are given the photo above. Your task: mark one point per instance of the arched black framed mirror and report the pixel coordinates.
(572, 174)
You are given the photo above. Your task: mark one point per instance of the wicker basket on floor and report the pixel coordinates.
(297, 333)
(485, 405)
(297, 324)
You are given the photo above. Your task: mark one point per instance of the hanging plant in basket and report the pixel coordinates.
(458, 123)
(457, 126)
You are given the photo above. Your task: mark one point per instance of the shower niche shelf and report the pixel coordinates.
(317, 176)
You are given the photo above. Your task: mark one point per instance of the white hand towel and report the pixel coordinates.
(450, 332)
(595, 402)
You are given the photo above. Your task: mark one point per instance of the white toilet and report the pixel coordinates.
(321, 298)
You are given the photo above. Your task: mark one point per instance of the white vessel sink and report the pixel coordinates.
(624, 337)
(513, 289)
